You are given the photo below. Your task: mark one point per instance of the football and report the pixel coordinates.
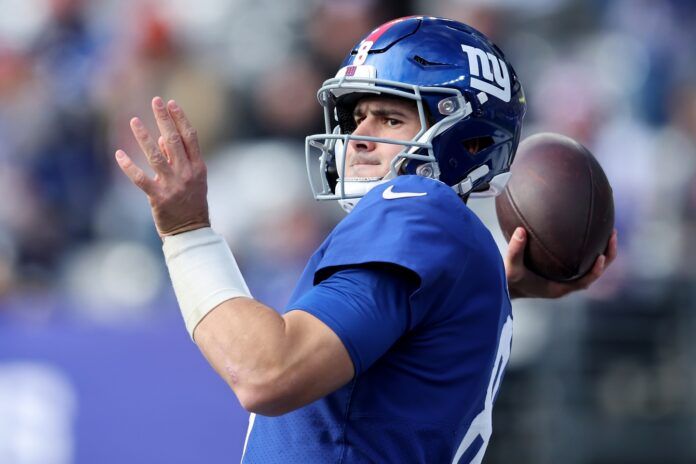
(559, 193)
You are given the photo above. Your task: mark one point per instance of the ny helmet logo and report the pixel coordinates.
(490, 68)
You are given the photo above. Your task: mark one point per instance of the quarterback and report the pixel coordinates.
(394, 344)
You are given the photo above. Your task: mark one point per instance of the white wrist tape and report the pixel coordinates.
(203, 272)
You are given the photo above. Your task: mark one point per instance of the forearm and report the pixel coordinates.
(274, 364)
(242, 339)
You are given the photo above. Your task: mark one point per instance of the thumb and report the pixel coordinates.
(514, 258)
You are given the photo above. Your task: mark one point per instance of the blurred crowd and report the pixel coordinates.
(618, 76)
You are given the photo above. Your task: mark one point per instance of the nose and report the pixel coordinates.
(364, 128)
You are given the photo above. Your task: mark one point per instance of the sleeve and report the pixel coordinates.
(367, 307)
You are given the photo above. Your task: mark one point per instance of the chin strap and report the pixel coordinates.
(495, 186)
(354, 186)
(361, 185)
(464, 187)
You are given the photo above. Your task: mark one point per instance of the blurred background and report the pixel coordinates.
(95, 364)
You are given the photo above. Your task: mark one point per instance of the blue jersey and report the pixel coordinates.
(413, 284)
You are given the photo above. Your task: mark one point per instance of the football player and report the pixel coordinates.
(394, 343)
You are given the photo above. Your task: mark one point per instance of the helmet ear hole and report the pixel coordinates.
(476, 145)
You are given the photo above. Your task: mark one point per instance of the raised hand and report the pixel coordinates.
(524, 283)
(178, 191)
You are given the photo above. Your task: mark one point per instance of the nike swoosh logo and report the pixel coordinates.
(389, 194)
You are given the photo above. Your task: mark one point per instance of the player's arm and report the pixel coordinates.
(524, 283)
(335, 330)
(273, 363)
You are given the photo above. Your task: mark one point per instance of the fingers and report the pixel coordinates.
(612, 248)
(135, 174)
(598, 268)
(172, 138)
(155, 157)
(523, 282)
(600, 264)
(589, 278)
(555, 290)
(514, 258)
(188, 133)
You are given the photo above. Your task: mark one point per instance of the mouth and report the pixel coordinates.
(361, 160)
(365, 171)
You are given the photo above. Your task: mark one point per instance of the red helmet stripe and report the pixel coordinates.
(377, 33)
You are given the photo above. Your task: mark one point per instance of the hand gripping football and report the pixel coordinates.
(559, 193)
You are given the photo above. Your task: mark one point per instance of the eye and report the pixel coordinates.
(391, 122)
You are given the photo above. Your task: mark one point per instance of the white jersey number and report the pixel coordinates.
(482, 425)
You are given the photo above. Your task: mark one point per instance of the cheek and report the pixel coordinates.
(411, 131)
(388, 152)
(407, 131)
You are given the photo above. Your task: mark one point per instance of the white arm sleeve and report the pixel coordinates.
(204, 273)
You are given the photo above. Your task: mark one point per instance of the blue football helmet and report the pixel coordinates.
(469, 100)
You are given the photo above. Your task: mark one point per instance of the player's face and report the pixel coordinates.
(379, 117)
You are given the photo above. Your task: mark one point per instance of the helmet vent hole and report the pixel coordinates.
(476, 145)
(422, 61)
